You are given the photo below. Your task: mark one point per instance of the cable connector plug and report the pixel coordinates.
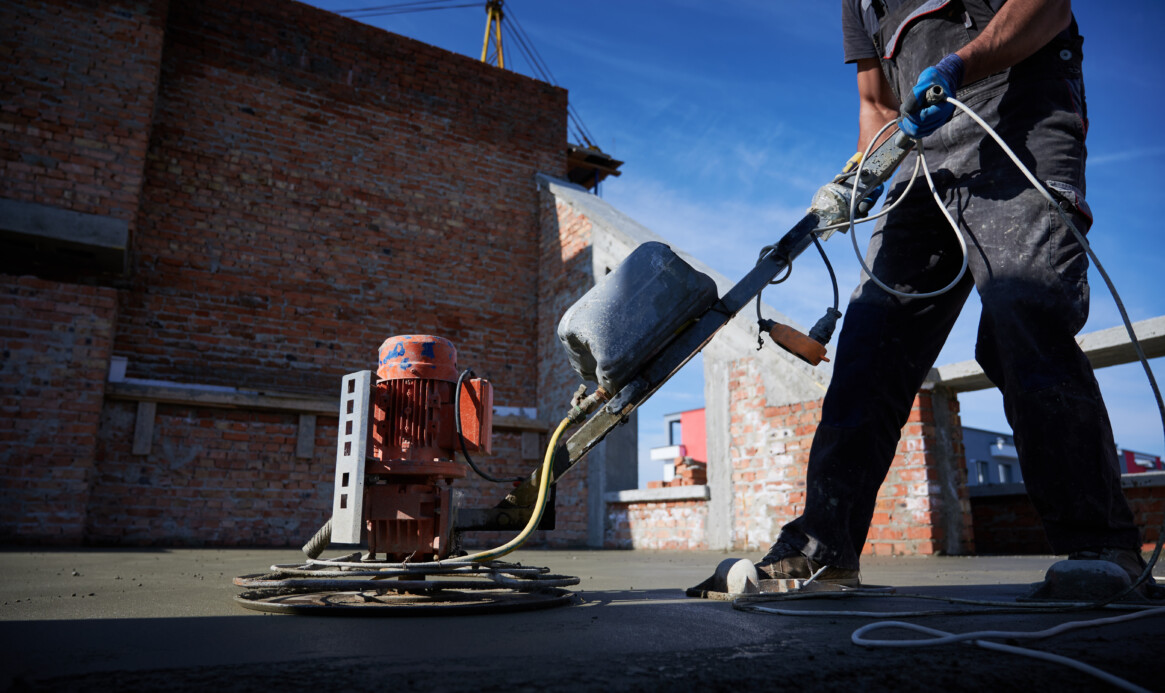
(823, 331)
(809, 348)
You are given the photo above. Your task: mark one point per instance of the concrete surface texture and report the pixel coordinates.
(113, 619)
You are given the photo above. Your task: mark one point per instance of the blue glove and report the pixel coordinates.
(918, 122)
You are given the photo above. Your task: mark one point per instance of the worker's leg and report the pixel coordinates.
(886, 348)
(1032, 277)
(1034, 303)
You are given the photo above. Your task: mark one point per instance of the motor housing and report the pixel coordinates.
(399, 491)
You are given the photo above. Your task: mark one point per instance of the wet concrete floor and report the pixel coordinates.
(145, 619)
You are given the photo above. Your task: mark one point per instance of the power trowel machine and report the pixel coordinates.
(400, 431)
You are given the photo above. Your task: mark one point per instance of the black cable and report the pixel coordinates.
(764, 252)
(393, 6)
(542, 69)
(828, 266)
(461, 437)
(386, 13)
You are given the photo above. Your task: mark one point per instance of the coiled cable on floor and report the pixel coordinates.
(977, 638)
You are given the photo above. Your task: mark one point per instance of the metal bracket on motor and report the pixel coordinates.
(352, 444)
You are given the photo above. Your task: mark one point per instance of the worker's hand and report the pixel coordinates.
(920, 120)
(867, 203)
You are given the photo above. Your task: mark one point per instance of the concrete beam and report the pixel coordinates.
(87, 241)
(263, 401)
(1110, 347)
(659, 495)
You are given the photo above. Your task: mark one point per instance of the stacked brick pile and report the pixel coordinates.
(688, 472)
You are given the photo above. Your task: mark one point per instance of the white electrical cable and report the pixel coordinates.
(921, 160)
(977, 638)
(851, 222)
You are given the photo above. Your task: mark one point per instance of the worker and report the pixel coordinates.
(1017, 63)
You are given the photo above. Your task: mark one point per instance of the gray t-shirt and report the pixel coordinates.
(858, 24)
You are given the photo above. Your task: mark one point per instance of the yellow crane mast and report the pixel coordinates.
(493, 21)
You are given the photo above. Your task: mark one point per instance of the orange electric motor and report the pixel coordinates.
(410, 467)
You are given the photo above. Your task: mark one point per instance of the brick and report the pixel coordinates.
(271, 248)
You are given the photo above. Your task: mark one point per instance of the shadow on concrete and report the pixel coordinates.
(618, 640)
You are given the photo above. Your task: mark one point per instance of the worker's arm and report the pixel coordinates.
(878, 105)
(1019, 29)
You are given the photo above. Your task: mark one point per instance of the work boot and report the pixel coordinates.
(1130, 560)
(783, 562)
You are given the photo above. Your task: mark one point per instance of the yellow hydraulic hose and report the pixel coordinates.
(324, 535)
(539, 506)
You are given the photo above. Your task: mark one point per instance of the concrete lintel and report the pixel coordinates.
(659, 495)
(95, 241)
(1143, 479)
(178, 393)
(520, 423)
(988, 490)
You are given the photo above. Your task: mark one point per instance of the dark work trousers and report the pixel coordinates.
(1030, 273)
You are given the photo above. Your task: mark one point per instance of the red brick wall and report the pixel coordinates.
(314, 185)
(299, 187)
(1009, 524)
(55, 342)
(769, 452)
(677, 524)
(77, 86)
(213, 477)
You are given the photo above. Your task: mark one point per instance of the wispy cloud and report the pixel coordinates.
(1106, 158)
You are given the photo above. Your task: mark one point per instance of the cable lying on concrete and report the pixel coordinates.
(977, 638)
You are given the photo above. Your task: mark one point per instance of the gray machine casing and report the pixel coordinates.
(631, 313)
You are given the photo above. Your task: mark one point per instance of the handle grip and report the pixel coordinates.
(933, 96)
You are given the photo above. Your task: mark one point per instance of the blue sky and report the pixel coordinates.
(731, 114)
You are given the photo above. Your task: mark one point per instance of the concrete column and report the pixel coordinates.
(717, 423)
(611, 467)
(954, 511)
